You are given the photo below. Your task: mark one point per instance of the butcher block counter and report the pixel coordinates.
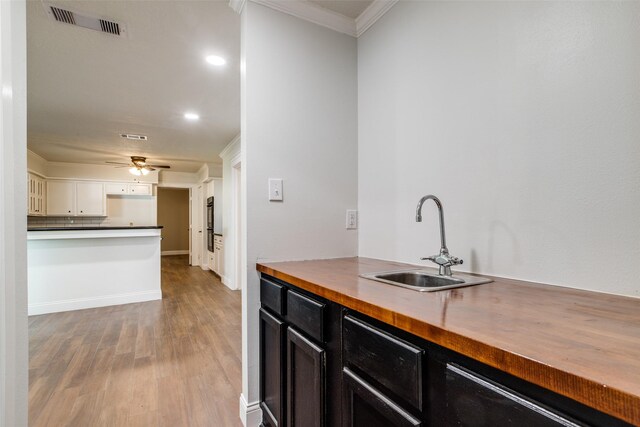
(580, 344)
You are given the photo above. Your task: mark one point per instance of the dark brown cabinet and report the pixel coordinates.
(472, 400)
(323, 364)
(364, 406)
(305, 381)
(293, 358)
(272, 372)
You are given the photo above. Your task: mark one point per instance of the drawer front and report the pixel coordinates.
(306, 314)
(474, 400)
(272, 296)
(386, 360)
(364, 406)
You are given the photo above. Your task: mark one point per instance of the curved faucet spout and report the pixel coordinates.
(443, 243)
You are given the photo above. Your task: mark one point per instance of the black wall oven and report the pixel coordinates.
(210, 245)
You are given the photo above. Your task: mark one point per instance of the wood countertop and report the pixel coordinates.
(580, 344)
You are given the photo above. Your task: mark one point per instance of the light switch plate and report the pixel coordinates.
(352, 219)
(275, 189)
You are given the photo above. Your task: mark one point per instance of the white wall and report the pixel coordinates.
(13, 222)
(523, 117)
(298, 124)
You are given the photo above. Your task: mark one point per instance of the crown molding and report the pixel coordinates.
(371, 14)
(237, 5)
(232, 148)
(313, 13)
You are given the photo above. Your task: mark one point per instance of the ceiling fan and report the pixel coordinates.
(139, 166)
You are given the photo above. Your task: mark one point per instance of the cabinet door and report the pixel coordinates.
(305, 381)
(272, 370)
(218, 256)
(475, 401)
(90, 199)
(115, 188)
(140, 189)
(364, 406)
(61, 198)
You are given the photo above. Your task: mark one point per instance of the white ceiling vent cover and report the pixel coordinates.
(134, 137)
(91, 22)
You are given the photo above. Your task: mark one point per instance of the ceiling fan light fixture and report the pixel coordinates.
(136, 171)
(144, 171)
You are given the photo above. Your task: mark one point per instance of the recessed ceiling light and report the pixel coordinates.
(215, 60)
(191, 116)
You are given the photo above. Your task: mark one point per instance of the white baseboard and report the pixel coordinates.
(103, 301)
(250, 414)
(205, 267)
(225, 281)
(183, 252)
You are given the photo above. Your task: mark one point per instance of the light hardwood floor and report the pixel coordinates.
(174, 362)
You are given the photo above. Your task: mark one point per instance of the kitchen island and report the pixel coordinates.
(78, 268)
(483, 355)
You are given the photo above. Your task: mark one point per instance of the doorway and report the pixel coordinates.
(173, 215)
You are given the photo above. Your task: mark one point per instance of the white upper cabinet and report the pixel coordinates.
(36, 201)
(69, 198)
(137, 189)
(115, 188)
(62, 198)
(90, 199)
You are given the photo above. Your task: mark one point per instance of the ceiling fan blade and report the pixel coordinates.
(118, 163)
(121, 167)
(160, 166)
(149, 169)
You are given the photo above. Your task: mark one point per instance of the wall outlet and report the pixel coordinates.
(352, 219)
(275, 189)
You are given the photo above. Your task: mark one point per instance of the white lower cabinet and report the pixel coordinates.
(218, 258)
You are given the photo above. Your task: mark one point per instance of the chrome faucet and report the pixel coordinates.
(443, 259)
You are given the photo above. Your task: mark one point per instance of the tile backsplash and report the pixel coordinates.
(56, 221)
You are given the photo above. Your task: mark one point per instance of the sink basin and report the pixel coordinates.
(425, 280)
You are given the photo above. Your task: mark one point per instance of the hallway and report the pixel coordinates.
(174, 362)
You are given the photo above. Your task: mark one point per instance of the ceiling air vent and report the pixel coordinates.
(92, 23)
(134, 137)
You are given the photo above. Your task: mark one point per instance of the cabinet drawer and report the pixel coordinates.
(272, 296)
(384, 359)
(474, 400)
(364, 406)
(306, 314)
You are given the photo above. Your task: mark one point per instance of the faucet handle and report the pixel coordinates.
(429, 258)
(456, 261)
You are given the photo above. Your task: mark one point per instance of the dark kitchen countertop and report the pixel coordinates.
(142, 227)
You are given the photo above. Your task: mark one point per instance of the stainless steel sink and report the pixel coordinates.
(425, 280)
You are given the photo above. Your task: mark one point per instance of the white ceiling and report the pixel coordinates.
(86, 87)
(349, 8)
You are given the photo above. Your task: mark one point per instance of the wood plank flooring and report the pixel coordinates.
(174, 362)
